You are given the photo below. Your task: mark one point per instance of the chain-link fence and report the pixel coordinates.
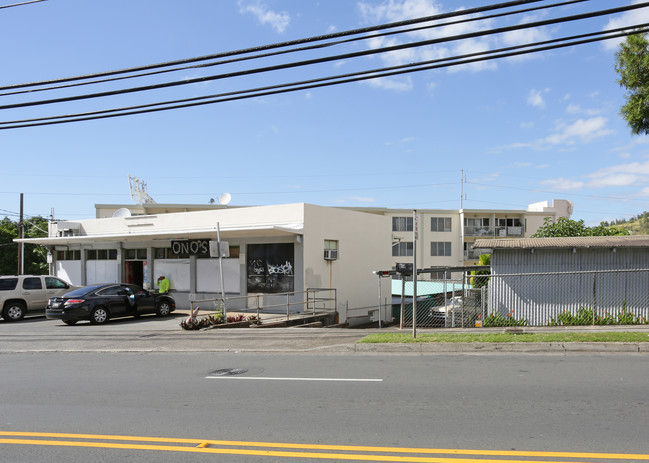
(457, 306)
(535, 299)
(570, 298)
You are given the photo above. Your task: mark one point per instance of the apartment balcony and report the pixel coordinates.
(474, 254)
(495, 232)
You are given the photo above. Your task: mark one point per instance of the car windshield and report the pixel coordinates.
(83, 291)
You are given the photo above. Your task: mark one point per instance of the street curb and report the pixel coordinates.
(464, 347)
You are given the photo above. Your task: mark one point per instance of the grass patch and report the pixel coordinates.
(506, 337)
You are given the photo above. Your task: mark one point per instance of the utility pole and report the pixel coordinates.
(462, 182)
(21, 234)
(415, 236)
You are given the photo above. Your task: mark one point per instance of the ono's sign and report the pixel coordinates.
(190, 248)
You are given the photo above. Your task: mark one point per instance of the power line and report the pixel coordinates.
(21, 4)
(326, 81)
(284, 44)
(293, 50)
(329, 58)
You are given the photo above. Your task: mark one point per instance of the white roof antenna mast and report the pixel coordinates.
(137, 188)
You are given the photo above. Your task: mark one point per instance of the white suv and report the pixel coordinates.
(27, 294)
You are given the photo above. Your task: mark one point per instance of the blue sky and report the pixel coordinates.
(523, 129)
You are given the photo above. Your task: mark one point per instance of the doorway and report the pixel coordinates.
(134, 272)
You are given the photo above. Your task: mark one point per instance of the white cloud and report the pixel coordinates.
(563, 184)
(576, 109)
(535, 98)
(580, 131)
(397, 10)
(278, 21)
(584, 130)
(628, 18)
(403, 84)
(621, 174)
(528, 35)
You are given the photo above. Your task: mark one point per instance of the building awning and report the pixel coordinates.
(178, 234)
(635, 241)
(427, 288)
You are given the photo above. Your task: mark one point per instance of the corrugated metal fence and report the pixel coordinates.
(590, 297)
(537, 299)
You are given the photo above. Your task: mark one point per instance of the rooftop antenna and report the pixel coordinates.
(137, 188)
(225, 199)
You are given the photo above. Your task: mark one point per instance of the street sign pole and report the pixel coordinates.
(415, 233)
(218, 238)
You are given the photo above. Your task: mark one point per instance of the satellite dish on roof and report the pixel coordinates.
(225, 198)
(122, 212)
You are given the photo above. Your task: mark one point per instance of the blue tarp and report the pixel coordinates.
(426, 288)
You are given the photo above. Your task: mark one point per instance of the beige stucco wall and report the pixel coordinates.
(364, 246)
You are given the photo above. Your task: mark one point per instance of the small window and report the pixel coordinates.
(32, 283)
(440, 224)
(403, 248)
(331, 245)
(101, 254)
(68, 255)
(440, 248)
(401, 224)
(141, 254)
(129, 254)
(234, 252)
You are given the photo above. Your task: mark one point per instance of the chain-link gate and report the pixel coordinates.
(458, 306)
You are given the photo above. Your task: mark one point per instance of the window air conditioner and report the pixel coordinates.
(331, 254)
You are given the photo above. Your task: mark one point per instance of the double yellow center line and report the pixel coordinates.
(288, 450)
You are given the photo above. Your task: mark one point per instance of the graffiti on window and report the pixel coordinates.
(270, 268)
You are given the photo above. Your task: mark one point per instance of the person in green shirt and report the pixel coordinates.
(163, 284)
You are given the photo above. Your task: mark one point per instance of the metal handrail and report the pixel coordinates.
(310, 301)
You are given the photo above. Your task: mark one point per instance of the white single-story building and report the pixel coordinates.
(272, 249)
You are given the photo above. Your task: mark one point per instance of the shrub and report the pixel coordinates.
(499, 320)
(586, 316)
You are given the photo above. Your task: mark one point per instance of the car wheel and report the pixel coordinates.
(163, 309)
(99, 316)
(13, 311)
(70, 322)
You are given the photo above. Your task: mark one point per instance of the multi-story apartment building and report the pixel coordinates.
(445, 237)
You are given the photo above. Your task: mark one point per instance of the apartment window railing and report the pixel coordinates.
(494, 231)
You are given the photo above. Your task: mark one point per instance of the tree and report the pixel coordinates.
(35, 256)
(632, 65)
(565, 227)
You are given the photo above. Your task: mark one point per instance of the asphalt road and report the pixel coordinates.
(170, 401)
(514, 403)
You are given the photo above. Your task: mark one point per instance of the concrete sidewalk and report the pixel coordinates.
(154, 334)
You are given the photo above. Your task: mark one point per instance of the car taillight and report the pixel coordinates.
(74, 301)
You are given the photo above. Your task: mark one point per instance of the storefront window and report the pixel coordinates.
(270, 268)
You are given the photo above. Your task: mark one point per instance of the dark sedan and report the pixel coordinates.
(98, 303)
